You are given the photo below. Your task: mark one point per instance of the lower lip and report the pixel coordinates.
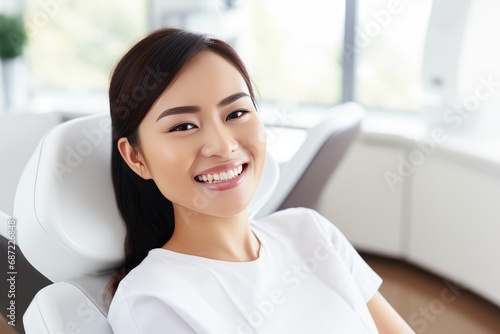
(226, 185)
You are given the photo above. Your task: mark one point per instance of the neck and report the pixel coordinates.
(218, 238)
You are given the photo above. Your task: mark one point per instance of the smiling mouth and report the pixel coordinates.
(221, 177)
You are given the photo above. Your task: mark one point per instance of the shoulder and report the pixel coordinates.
(291, 216)
(302, 223)
(155, 270)
(131, 311)
(296, 221)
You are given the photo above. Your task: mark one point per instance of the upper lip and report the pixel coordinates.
(222, 168)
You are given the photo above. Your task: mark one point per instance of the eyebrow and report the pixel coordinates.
(193, 109)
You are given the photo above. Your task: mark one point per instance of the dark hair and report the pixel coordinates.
(137, 82)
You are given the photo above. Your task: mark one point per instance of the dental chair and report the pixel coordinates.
(69, 227)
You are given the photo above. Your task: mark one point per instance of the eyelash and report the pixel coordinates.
(241, 111)
(182, 127)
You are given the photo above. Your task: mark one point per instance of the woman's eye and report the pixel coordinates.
(182, 127)
(236, 114)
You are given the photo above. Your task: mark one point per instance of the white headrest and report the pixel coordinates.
(67, 220)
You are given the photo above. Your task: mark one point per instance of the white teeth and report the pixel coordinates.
(221, 177)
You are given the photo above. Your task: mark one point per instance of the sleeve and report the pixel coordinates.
(145, 315)
(365, 277)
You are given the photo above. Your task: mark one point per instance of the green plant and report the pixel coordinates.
(12, 36)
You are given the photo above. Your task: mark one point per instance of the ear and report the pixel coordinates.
(133, 158)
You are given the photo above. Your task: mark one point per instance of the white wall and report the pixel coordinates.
(444, 216)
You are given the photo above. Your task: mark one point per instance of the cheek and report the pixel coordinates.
(162, 160)
(254, 136)
(168, 164)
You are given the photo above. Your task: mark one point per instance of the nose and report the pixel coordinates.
(219, 141)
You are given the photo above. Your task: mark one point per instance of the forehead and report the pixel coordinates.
(207, 77)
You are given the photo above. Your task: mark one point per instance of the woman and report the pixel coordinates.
(188, 153)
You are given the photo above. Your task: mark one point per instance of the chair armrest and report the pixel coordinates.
(64, 308)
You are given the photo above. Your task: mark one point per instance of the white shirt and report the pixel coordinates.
(308, 279)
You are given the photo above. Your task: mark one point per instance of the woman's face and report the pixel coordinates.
(203, 143)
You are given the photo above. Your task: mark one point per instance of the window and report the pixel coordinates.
(73, 46)
(390, 37)
(294, 50)
(478, 71)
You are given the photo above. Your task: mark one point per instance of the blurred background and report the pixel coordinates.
(418, 192)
